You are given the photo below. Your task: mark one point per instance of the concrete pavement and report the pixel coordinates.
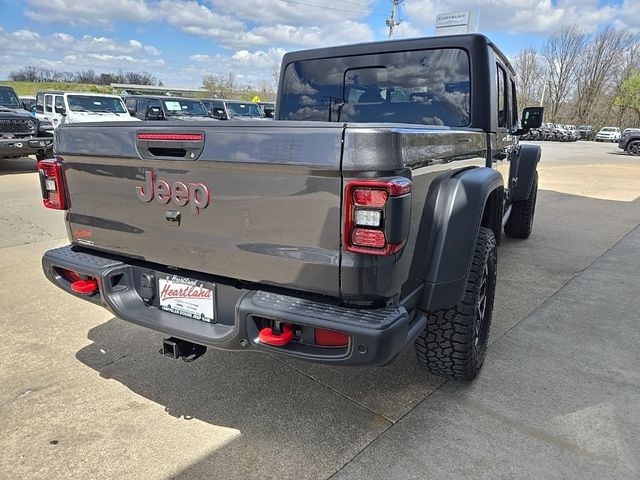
(86, 395)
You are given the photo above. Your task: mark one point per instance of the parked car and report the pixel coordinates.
(158, 107)
(586, 132)
(20, 133)
(268, 109)
(608, 134)
(630, 141)
(224, 109)
(339, 237)
(80, 107)
(216, 108)
(573, 132)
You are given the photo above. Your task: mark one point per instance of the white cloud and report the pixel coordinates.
(517, 16)
(91, 12)
(66, 52)
(306, 12)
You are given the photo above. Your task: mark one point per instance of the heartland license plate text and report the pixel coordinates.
(187, 297)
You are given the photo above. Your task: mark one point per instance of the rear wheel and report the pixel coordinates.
(634, 148)
(454, 342)
(520, 221)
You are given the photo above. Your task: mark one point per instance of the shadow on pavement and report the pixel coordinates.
(9, 166)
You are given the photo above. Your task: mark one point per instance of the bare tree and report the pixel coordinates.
(563, 53)
(596, 73)
(528, 76)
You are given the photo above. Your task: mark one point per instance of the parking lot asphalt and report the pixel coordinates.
(85, 395)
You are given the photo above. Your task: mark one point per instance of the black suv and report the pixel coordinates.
(151, 107)
(630, 141)
(21, 134)
(586, 132)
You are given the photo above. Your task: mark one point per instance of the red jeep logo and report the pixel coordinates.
(179, 193)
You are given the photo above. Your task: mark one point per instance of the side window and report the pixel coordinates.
(40, 103)
(48, 103)
(142, 107)
(502, 98)
(59, 101)
(514, 105)
(131, 104)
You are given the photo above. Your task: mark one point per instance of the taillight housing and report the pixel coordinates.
(52, 183)
(376, 215)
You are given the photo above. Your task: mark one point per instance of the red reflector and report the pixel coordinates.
(85, 286)
(328, 338)
(365, 237)
(267, 336)
(365, 197)
(179, 137)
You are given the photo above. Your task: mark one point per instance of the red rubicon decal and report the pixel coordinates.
(179, 193)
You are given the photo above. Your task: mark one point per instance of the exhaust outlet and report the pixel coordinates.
(176, 348)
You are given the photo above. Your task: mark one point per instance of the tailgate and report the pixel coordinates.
(258, 202)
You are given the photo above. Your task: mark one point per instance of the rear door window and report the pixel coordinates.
(48, 103)
(40, 102)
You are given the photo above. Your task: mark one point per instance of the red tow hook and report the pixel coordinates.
(85, 287)
(267, 336)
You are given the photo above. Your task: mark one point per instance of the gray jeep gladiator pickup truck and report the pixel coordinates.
(21, 134)
(363, 219)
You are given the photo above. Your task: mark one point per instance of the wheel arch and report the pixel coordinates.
(527, 161)
(466, 201)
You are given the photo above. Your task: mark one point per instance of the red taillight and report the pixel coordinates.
(172, 137)
(329, 338)
(52, 184)
(367, 197)
(365, 226)
(368, 237)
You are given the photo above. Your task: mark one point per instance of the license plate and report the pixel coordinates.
(187, 297)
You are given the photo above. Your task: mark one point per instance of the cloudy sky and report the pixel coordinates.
(180, 40)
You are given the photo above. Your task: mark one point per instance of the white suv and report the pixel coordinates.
(81, 107)
(608, 134)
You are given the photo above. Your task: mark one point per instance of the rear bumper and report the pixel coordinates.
(24, 146)
(376, 336)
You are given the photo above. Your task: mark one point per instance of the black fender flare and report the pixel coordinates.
(458, 208)
(527, 161)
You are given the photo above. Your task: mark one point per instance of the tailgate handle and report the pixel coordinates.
(170, 146)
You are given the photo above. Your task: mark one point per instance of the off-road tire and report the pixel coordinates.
(454, 342)
(634, 148)
(520, 221)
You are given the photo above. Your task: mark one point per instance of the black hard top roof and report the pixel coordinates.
(162, 97)
(225, 100)
(466, 41)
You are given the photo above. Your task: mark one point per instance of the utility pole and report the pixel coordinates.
(391, 20)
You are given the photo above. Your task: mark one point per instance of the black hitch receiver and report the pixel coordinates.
(176, 348)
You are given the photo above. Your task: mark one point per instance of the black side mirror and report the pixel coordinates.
(61, 110)
(155, 113)
(532, 117)
(218, 113)
(132, 111)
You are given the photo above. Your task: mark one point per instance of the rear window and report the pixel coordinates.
(424, 86)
